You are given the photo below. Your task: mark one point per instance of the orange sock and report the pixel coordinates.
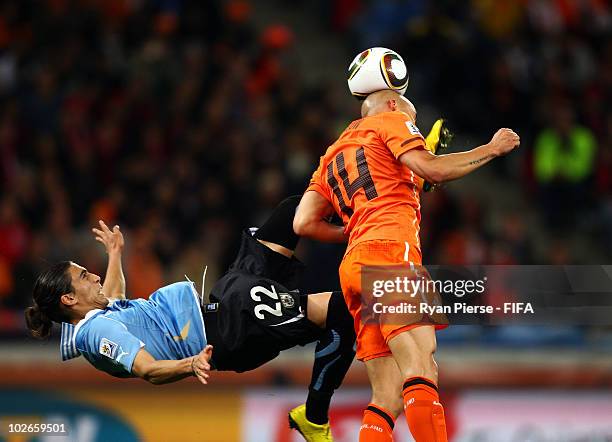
(424, 413)
(377, 425)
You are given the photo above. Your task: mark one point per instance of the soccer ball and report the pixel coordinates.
(376, 69)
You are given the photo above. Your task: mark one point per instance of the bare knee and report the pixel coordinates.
(318, 308)
(414, 353)
(422, 365)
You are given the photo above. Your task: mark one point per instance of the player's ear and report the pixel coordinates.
(68, 299)
(392, 105)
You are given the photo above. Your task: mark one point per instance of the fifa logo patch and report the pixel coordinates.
(412, 128)
(108, 348)
(287, 300)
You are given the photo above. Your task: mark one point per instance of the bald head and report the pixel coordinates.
(386, 101)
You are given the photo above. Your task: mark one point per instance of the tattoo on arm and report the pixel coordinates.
(480, 160)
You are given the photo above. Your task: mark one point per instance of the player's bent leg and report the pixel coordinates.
(276, 242)
(413, 350)
(386, 404)
(334, 354)
(277, 231)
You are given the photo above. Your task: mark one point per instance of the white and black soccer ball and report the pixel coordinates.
(376, 69)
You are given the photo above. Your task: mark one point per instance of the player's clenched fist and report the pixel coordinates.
(201, 366)
(504, 141)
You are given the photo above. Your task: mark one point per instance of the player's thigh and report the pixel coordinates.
(267, 260)
(413, 349)
(370, 342)
(386, 381)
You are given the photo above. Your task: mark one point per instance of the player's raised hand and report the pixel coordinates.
(112, 239)
(201, 366)
(504, 141)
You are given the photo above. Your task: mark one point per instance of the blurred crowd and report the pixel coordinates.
(185, 123)
(177, 120)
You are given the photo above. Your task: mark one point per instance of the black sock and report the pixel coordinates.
(333, 357)
(317, 406)
(278, 228)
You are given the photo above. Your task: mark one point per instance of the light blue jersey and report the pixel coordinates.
(169, 325)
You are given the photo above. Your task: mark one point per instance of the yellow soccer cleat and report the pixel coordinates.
(436, 141)
(311, 432)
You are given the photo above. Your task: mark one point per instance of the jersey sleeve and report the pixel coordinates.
(400, 134)
(318, 184)
(110, 340)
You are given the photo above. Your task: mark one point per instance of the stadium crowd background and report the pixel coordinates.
(184, 122)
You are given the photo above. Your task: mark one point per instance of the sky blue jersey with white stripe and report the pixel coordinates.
(169, 325)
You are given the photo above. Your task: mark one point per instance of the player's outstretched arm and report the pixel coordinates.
(441, 168)
(311, 219)
(114, 281)
(165, 371)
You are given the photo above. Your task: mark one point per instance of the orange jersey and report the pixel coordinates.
(360, 175)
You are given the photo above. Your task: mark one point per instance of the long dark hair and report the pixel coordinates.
(47, 308)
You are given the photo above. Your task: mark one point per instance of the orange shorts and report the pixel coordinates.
(373, 335)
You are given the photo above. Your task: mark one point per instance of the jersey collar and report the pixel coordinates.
(68, 348)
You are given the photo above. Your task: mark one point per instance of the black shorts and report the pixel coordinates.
(260, 311)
